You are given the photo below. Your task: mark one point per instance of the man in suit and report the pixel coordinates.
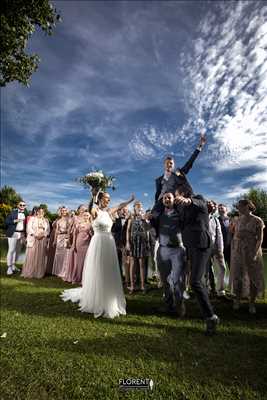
(170, 254)
(15, 232)
(119, 233)
(196, 237)
(170, 180)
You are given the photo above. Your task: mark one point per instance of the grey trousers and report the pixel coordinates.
(171, 266)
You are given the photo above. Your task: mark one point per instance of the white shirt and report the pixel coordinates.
(20, 224)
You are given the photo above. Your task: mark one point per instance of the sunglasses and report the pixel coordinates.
(22, 205)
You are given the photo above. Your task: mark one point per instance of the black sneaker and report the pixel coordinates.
(211, 325)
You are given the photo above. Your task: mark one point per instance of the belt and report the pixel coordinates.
(170, 246)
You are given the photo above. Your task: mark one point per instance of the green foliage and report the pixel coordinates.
(259, 198)
(51, 216)
(5, 209)
(9, 196)
(19, 19)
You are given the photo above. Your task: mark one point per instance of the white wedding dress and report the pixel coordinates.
(101, 293)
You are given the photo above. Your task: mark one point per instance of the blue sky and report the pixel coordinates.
(123, 83)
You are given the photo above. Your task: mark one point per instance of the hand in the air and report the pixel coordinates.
(182, 200)
(203, 139)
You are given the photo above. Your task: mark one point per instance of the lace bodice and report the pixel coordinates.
(103, 222)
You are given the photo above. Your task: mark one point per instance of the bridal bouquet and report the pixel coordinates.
(97, 180)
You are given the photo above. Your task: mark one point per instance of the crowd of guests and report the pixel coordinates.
(184, 238)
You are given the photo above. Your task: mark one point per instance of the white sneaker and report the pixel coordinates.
(221, 293)
(9, 271)
(236, 305)
(14, 268)
(252, 309)
(186, 295)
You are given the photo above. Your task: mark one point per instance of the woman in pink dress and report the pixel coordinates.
(61, 241)
(37, 232)
(51, 250)
(52, 246)
(82, 236)
(71, 255)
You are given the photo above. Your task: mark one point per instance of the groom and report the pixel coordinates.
(171, 180)
(15, 232)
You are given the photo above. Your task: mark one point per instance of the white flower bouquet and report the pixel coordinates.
(97, 181)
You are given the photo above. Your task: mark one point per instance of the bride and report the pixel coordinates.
(101, 293)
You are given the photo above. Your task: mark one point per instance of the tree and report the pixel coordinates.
(51, 216)
(19, 19)
(9, 196)
(5, 209)
(259, 198)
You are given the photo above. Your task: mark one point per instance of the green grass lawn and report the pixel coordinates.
(52, 351)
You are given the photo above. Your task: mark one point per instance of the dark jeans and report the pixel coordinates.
(171, 265)
(227, 255)
(199, 259)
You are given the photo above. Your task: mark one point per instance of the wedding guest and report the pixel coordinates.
(61, 240)
(196, 237)
(216, 256)
(247, 269)
(81, 239)
(171, 255)
(38, 230)
(227, 237)
(32, 214)
(126, 259)
(149, 260)
(15, 231)
(137, 243)
(69, 261)
(52, 245)
(116, 230)
(171, 180)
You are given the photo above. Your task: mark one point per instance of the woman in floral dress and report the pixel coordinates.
(61, 240)
(247, 270)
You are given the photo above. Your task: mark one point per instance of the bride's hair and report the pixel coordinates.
(99, 197)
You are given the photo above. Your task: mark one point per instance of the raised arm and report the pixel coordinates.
(189, 164)
(113, 210)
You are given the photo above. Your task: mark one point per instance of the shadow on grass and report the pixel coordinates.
(182, 356)
(20, 298)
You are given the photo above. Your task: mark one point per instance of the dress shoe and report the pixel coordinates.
(211, 325)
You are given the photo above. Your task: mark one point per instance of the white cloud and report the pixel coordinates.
(226, 86)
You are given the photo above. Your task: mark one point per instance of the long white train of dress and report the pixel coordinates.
(101, 293)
